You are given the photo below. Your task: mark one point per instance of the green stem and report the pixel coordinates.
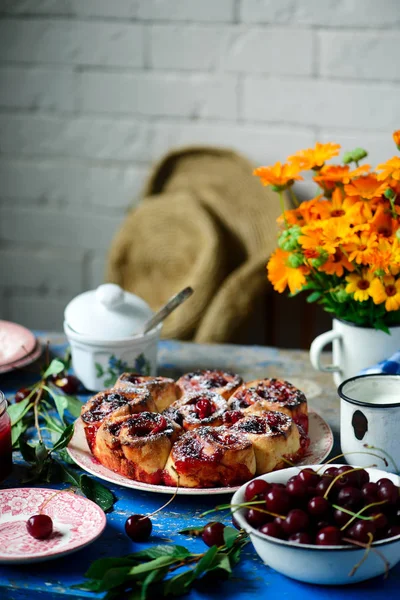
(294, 197)
(283, 208)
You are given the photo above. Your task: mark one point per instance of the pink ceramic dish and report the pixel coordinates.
(77, 522)
(16, 342)
(23, 362)
(321, 442)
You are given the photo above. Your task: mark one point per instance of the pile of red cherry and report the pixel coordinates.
(321, 508)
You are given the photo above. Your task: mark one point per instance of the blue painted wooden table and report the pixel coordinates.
(251, 578)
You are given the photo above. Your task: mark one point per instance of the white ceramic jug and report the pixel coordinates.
(354, 348)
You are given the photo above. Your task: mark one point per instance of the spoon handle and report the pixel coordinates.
(172, 303)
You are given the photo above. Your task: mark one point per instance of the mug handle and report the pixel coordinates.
(317, 347)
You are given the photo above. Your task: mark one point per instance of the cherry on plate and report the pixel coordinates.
(39, 526)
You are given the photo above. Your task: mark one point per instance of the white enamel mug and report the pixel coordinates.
(370, 421)
(353, 348)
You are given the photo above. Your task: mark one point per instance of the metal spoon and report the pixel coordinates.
(167, 309)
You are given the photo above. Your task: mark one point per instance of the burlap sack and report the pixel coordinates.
(169, 242)
(206, 221)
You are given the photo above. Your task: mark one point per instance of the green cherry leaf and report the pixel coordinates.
(54, 368)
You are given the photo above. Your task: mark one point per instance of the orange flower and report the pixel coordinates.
(329, 175)
(382, 222)
(336, 264)
(396, 138)
(386, 290)
(360, 285)
(315, 157)
(278, 175)
(281, 275)
(367, 187)
(386, 256)
(362, 249)
(391, 168)
(338, 206)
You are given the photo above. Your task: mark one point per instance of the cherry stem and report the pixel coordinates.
(377, 552)
(355, 452)
(365, 555)
(67, 490)
(288, 462)
(396, 468)
(359, 514)
(242, 505)
(36, 412)
(341, 475)
(164, 505)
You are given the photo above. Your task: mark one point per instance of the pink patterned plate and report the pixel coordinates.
(321, 442)
(77, 522)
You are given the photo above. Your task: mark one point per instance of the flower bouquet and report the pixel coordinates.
(343, 245)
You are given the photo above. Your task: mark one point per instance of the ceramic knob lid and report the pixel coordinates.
(108, 313)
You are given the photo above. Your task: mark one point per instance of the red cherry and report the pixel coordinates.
(256, 518)
(369, 492)
(360, 531)
(138, 528)
(21, 394)
(272, 529)
(297, 520)
(255, 488)
(328, 536)
(69, 384)
(309, 476)
(277, 500)
(39, 526)
(350, 497)
(318, 506)
(388, 491)
(213, 534)
(297, 488)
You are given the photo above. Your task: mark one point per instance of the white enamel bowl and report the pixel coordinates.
(327, 565)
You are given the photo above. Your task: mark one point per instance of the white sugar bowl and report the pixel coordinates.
(103, 328)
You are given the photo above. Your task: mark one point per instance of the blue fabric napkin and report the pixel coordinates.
(390, 365)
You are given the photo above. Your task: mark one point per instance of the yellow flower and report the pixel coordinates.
(278, 175)
(281, 275)
(367, 187)
(315, 157)
(386, 290)
(336, 232)
(360, 285)
(391, 168)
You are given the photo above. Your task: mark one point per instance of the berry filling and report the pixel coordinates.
(144, 424)
(204, 408)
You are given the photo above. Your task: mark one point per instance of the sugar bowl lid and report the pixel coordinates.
(108, 313)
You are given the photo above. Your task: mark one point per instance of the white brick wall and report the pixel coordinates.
(92, 92)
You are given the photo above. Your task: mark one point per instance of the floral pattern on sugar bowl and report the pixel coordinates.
(116, 366)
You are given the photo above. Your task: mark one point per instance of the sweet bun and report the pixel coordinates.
(113, 402)
(210, 457)
(163, 389)
(136, 445)
(259, 395)
(219, 382)
(198, 409)
(274, 436)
